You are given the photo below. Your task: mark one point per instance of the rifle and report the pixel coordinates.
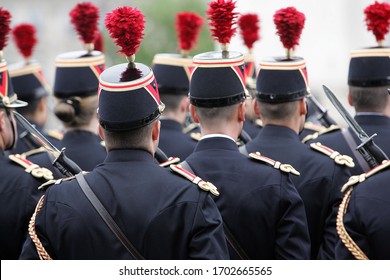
(59, 160)
(371, 153)
(323, 117)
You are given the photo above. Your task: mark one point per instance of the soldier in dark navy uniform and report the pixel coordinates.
(368, 81)
(259, 204)
(76, 89)
(363, 221)
(20, 179)
(282, 87)
(30, 85)
(172, 73)
(162, 214)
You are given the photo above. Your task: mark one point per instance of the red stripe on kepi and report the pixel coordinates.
(98, 69)
(304, 71)
(240, 73)
(248, 68)
(154, 90)
(4, 86)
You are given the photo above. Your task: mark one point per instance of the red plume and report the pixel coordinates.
(289, 24)
(188, 27)
(85, 18)
(249, 26)
(222, 20)
(25, 39)
(5, 21)
(126, 25)
(98, 43)
(378, 19)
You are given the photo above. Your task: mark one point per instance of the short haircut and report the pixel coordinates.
(130, 139)
(216, 113)
(369, 99)
(171, 101)
(278, 111)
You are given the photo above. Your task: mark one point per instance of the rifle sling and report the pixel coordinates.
(352, 146)
(107, 217)
(228, 234)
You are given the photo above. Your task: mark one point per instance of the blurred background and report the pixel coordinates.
(333, 28)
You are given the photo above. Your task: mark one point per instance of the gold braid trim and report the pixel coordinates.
(342, 232)
(43, 255)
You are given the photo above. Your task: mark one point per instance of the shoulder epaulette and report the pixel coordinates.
(322, 131)
(190, 127)
(275, 164)
(354, 180)
(204, 185)
(31, 168)
(55, 134)
(336, 156)
(171, 160)
(349, 243)
(33, 152)
(259, 122)
(313, 126)
(195, 135)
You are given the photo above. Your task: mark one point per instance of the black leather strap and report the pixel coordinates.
(228, 234)
(107, 217)
(352, 146)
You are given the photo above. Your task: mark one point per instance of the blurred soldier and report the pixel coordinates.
(172, 72)
(19, 178)
(249, 30)
(76, 89)
(368, 80)
(282, 87)
(162, 215)
(261, 209)
(30, 85)
(363, 222)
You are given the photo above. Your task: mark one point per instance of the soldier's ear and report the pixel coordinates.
(194, 115)
(350, 100)
(302, 107)
(156, 130)
(256, 108)
(241, 112)
(2, 120)
(100, 132)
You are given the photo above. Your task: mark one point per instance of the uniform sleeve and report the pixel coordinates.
(208, 239)
(353, 226)
(330, 236)
(292, 237)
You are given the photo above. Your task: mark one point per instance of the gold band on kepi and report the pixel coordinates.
(217, 80)
(280, 80)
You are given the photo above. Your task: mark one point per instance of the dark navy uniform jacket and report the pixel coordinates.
(319, 184)
(83, 147)
(164, 215)
(371, 124)
(19, 195)
(22, 146)
(367, 219)
(258, 203)
(173, 142)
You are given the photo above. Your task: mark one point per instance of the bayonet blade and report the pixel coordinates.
(37, 135)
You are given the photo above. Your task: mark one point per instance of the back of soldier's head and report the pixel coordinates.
(369, 68)
(282, 81)
(129, 102)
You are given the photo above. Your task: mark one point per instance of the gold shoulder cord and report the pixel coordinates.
(43, 255)
(341, 230)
